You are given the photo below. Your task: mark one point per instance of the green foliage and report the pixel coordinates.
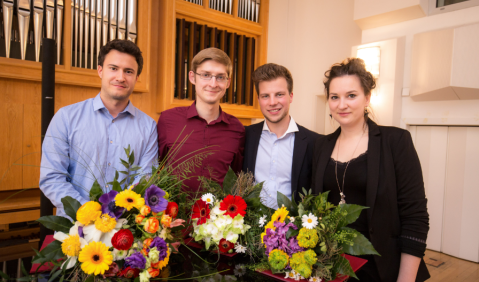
(51, 252)
(56, 223)
(342, 266)
(229, 181)
(360, 245)
(71, 206)
(283, 200)
(353, 212)
(95, 191)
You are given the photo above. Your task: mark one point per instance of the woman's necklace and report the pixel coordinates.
(341, 189)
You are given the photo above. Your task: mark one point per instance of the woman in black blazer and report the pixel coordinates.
(375, 166)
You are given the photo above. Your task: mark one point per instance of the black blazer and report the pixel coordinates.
(395, 193)
(302, 155)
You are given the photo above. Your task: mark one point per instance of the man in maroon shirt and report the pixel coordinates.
(214, 134)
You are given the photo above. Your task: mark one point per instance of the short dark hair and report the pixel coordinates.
(271, 71)
(124, 46)
(351, 66)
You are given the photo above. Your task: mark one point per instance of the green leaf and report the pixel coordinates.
(301, 210)
(131, 159)
(353, 213)
(55, 275)
(125, 163)
(51, 252)
(116, 175)
(91, 278)
(291, 233)
(342, 266)
(95, 191)
(137, 279)
(124, 172)
(56, 223)
(361, 245)
(71, 206)
(229, 181)
(24, 271)
(127, 150)
(4, 276)
(135, 168)
(116, 186)
(283, 200)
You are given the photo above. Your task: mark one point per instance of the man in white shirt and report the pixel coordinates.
(278, 150)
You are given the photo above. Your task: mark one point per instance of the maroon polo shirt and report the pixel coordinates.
(222, 139)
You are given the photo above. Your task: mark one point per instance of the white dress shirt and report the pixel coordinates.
(274, 162)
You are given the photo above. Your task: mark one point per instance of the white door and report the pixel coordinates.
(450, 162)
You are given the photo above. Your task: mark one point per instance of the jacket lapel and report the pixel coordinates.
(374, 154)
(324, 157)
(257, 130)
(300, 145)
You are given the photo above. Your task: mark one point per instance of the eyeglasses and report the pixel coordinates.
(208, 76)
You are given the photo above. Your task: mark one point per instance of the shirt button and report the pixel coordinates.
(109, 164)
(273, 161)
(111, 141)
(106, 186)
(272, 178)
(112, 121)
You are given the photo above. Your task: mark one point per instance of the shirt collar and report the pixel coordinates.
(192, 112)
(98, 105)
(292, 127)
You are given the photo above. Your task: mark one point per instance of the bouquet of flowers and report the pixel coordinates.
(225, 221)
(120, 234)
(308, 240)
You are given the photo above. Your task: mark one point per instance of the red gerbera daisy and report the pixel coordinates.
(201, 210)
(225, 245)
(233, 205)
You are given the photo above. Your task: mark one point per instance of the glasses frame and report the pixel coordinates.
(215, 76)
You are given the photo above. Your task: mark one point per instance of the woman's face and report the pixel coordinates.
(347, 100)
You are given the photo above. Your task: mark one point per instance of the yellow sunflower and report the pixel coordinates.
(128, 199)
(89, 212)
(95, 258)
(280, 214)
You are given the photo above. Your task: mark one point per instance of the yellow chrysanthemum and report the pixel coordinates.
(308, 238)
(278, 259)
(165, 261)
(280, 215)
(71, 245)
(89, 212)
(105, 223)
(95, 258)
(128, 199)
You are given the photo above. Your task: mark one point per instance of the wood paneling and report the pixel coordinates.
(11, 128)
(19, 216)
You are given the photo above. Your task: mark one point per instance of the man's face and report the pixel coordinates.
(118, 75)
(209, 91)
(274, 99)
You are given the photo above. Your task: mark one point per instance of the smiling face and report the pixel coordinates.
(209, 91)
(118, 76)
(274, 100)
(347, 100)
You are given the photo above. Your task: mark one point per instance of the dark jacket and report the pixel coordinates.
(302, 155)
(395, 193)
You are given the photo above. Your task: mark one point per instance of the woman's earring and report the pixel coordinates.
(330, 116)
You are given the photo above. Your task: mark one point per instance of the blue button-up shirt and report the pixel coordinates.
(274, 162)
(84, 142)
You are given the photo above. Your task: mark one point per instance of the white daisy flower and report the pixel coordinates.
(290, 275)
(291, 219)
(72, 243)
(240, 270)
(315, 279)
(309, 221)
(208, 198)
(262, 221)
(240, 249)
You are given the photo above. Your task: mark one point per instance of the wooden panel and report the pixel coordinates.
(11, 128)
(431, 147)
(240, 76)
(18, 200)
(461, 227)
(31, 145)
(20, 216)
(25, 232)
(18, 251)
(232, 54)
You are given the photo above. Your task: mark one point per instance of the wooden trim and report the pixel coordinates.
(240, 91)
(20, 216)
(18, 251)
(24, 232)
(24, 200)
(232, 55)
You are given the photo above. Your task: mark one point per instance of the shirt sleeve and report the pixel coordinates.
(150, 156)
(237, 164)
(411, 198)
(162, 134)
(55, 179)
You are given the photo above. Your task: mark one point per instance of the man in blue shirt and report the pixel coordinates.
(85, 141)
(278, 151)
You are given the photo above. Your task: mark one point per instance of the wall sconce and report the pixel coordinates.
(372, 59)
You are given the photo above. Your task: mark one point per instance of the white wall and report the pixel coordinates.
(307, 37)
(369, 8)
(462, 112)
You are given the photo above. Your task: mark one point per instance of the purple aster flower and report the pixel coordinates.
(136, 260)
(294, 247)
(154, 199)
(282, 228)
(270, 240)
(109, 207)
(161, 246)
